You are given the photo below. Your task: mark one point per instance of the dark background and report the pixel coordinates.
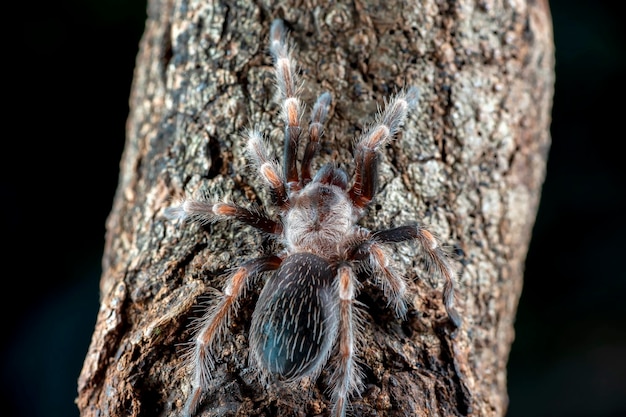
(60, 172)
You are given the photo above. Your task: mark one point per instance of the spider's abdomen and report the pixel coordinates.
(295, 322)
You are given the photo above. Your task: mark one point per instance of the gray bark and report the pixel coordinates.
(470, 163)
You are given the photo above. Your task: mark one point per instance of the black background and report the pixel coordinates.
(68, 69)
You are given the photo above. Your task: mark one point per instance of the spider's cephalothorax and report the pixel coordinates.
(307, 314)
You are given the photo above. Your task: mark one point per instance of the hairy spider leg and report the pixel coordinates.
(390, 281)
(217, 318)
(347, 377)
(286, 80)
(393, 284)
(316, 128)
(205, 211)
(366, 150)
(435, 255)
(269, 170)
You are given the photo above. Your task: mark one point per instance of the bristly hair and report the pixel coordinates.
(307, 316)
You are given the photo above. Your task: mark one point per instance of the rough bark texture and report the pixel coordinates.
(470, 163)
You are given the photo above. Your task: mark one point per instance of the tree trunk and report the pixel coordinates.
(470, 164)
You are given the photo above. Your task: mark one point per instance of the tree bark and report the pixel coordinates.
(470, 163)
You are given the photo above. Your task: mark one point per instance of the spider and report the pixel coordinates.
(307, 316)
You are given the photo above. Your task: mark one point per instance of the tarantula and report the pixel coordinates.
(307, 314)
